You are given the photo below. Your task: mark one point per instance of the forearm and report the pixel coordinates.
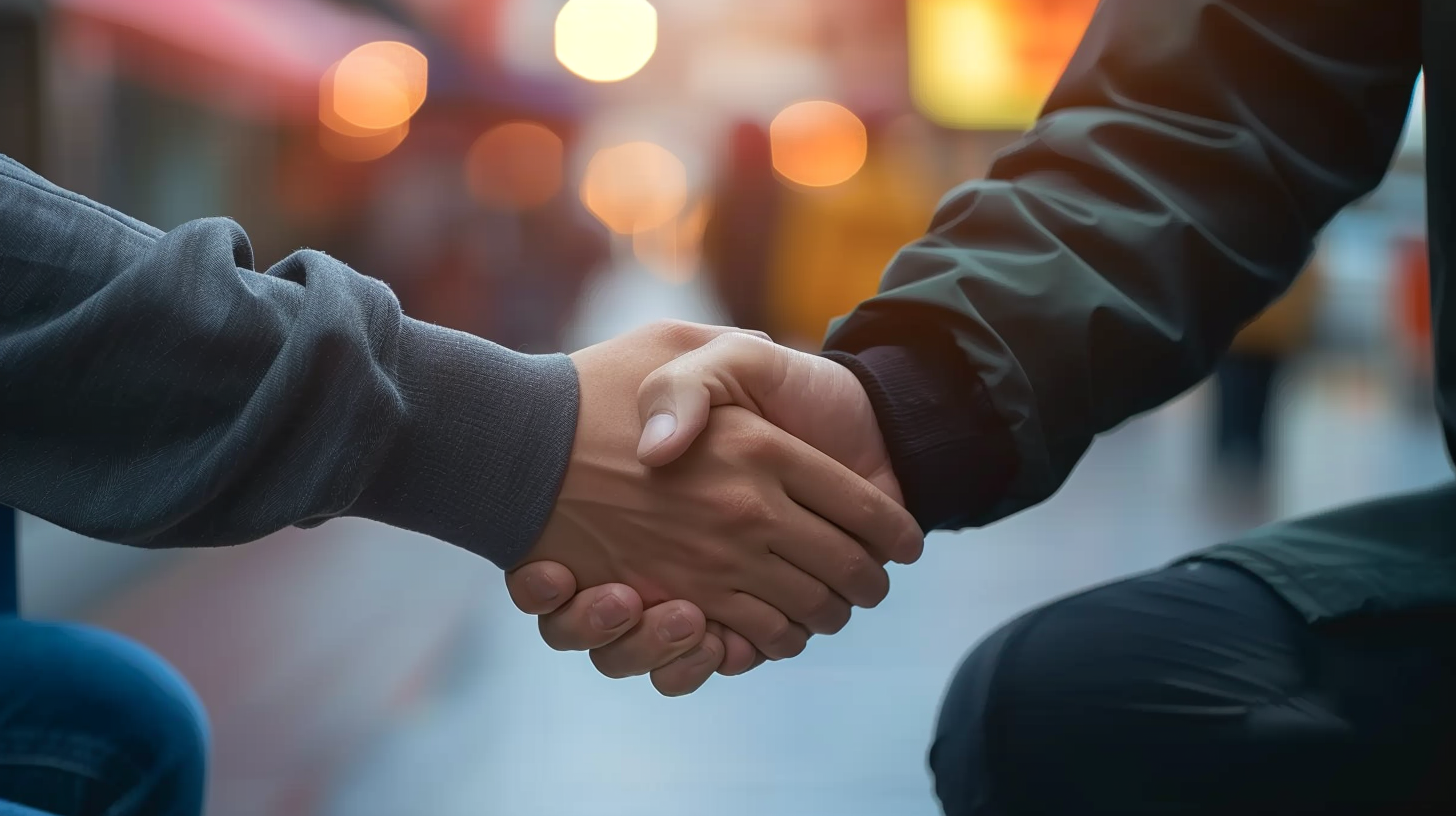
(158, 392)
(1171, 190)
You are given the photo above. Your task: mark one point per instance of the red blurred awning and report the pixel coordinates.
(252, 57)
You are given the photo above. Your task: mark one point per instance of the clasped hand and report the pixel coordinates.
(726, 498)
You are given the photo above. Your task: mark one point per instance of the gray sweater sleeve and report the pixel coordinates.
(156, 391)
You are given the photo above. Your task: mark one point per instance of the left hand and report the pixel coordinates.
(811, 397)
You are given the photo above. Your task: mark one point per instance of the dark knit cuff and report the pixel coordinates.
(951, 453)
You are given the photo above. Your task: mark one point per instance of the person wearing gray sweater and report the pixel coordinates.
(157, 391)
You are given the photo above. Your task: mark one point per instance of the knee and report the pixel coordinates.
(960, 756)
(1020, 724)
(1037, 720)
(86, 681)
(1110, 700)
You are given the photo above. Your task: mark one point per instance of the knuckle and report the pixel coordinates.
(608, 667)
(743, 506)
(713, 555)
(675, 682)
(757, 444)
(833, 621)
(911, 544)
(678, 607)
(671, 685)
(663, 383)
(688, 672)
(778, 632)
(681, 610)
(654, 382)
(717, 555)
(827, 612)
(554, 636)
(867, 577)
(722, 559)
(679, 333)
(793, 647)
(736, 343)
(723, 342)
(857, 567)
(819, 602)
(784, 638)
(736, 663)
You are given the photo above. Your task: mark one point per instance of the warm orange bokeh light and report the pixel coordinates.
(818, 144)
(330, 118)
(378, 86)
(635, 187)
(362, 148)
(606, 40)
(515, 166)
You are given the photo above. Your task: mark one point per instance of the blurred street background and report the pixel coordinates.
(547, 174)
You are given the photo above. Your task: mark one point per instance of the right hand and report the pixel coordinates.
(759, 530)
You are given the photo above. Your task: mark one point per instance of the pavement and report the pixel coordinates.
(355, 670)
(520, 730)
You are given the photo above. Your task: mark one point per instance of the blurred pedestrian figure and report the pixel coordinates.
(1247, 376)
(743, 227)
(560, 247)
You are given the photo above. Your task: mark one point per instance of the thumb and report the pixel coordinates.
(673, 402)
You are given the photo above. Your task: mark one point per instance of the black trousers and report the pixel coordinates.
(1197, 690)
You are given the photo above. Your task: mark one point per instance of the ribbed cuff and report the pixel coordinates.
(487, 437)
(951, 453)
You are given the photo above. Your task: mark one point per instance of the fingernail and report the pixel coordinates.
(609, 613)
(677, 627)
(541, 591)
(656, 431)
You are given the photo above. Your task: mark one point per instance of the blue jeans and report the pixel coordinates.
(92, 724)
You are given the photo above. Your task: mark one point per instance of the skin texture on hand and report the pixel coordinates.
(810, 397)
(813, 398)
(758, 529)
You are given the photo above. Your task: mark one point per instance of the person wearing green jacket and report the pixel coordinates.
(1171, 190)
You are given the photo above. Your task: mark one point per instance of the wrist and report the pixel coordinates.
(951, 454)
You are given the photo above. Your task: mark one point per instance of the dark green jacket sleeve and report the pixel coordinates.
(1171, 189)
(154, 390)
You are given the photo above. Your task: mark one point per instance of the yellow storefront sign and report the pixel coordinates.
(989, 64)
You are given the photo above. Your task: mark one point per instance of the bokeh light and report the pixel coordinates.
(635, 187)
(379, 85)
(818, 144)
(365, 147)
(606, 40)
(329, 117)
(989, 64)
(515, 166)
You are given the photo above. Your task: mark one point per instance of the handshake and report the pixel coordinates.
(725, 499)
